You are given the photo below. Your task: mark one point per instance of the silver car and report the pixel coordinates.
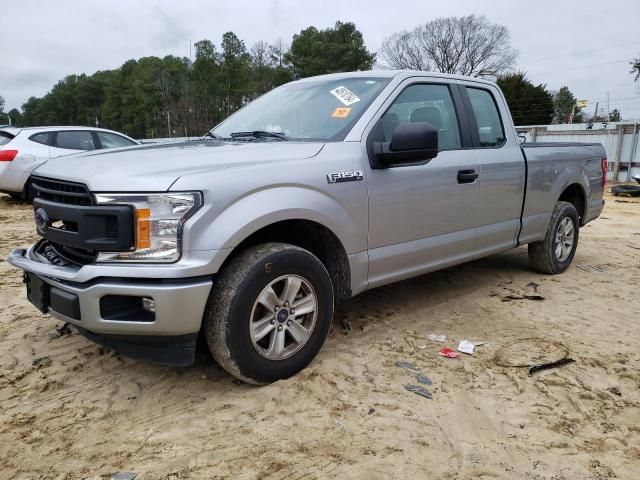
(22, 150)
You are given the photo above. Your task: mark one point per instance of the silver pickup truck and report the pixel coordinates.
(317, 191)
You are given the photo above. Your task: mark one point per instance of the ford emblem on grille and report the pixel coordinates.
(42, 220)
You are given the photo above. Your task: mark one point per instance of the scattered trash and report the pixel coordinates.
(532, 353)
(124, 476)
(545, 366)
(422, 347)
(341, 426)
(407, 365)
(447, 352)
(371, 411)
(590, 268)
(437, 338)
(525, 296)
(423, 379)
(60, 331)
(41, 362)
(630, 190)
(533, 285)
(465, 346)
(346, 326)
(616, 391)
(418, 390)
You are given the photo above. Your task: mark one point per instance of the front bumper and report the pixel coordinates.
(179, 303)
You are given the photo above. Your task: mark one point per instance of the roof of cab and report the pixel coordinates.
(393, 74)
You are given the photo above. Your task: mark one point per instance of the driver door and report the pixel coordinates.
(422, 217)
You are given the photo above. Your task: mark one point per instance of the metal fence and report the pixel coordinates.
(620, 140)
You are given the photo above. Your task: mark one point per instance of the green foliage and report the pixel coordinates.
(564, 103)
(615, 115)
(3, 116)
(337, 49)
(529, 104)
(171, 96)
(161, 97)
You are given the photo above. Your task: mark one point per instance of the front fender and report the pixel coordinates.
(258, 209)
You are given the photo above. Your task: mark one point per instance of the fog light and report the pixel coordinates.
(149, 305)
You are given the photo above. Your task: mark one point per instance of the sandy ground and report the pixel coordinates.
(70, 409)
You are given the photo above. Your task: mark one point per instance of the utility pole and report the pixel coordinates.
(595, 114)
(608, 110)
(169, 122)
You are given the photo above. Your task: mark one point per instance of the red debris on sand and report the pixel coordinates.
(447, 352)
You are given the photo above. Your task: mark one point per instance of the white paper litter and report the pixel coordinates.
(437, 338)
(465, 346)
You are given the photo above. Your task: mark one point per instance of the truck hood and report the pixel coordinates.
(157, 167)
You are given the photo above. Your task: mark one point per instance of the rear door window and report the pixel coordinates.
(111, 140)
(488, 122)
(5, 137)
(44, 138)
(75, 140)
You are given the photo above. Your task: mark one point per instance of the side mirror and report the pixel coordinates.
(411, 144)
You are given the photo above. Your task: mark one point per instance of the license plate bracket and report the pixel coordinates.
(37, 292)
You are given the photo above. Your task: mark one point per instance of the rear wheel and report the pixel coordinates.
(269, 313)
(555, 253)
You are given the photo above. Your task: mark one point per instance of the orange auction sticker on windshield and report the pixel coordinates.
(341, 112)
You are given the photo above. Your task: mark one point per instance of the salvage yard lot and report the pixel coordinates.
(71, 409)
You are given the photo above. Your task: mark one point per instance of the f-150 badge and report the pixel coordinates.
(339, 177)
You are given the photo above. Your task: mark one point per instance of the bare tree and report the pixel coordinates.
(401, 51)
(464, 45)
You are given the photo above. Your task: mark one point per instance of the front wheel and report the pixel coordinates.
(269, 313)
(555, 253)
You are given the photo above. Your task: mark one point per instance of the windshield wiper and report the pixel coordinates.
(212, 135)
(258, 134)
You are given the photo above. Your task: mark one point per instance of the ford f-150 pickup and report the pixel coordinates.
(319, 190)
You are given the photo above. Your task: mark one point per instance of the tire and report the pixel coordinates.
(16, 196)
(631, 190)
(543, 255)
(234, 306)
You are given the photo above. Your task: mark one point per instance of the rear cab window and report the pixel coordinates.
(488, 126)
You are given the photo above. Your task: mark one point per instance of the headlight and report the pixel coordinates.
(158, 220)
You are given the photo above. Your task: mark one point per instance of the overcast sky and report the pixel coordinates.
(586, 45)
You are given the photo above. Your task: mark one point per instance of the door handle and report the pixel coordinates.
(467, 176)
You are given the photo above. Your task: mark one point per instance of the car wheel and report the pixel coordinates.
(269, 313)
(555, 253)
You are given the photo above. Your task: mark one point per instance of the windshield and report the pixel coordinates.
(310, 110)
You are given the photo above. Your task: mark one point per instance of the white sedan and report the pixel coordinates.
(22, 150)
